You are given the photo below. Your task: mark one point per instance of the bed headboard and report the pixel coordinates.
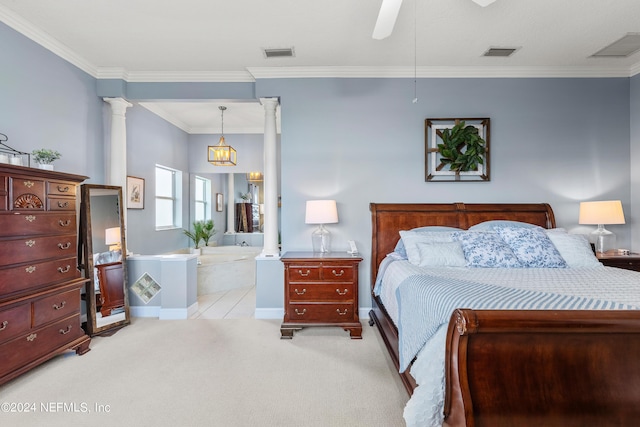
(387, 219)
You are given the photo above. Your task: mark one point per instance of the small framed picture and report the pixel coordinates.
(219, 202)
(135, 192)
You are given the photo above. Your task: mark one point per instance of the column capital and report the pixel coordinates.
(118, 105)
(270, 103)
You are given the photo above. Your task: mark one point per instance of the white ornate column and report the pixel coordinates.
(116, 168)
(231, 205)
(270, 179)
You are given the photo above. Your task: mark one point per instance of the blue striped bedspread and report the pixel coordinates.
(426, 302)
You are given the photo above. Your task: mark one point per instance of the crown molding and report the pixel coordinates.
(30, 31)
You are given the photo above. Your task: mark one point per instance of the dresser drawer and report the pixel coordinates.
(301, 272)
(321, 313)
(28, 224)
(61, 188)
(337, 273)
(14, 321)
(27, 193)
(35, 248)
(55, 307)
(61, 204)
(37, 343)
(35, 275)
(321, 292)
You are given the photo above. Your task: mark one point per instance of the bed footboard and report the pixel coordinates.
(552, 368)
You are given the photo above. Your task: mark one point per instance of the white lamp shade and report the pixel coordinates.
(112, 236)
(606, 212)
(321, 212)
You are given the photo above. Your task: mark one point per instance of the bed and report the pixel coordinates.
(523, 367)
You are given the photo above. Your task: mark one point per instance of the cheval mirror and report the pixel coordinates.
(103, 258)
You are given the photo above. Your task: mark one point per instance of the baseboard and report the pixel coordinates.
(144, 311)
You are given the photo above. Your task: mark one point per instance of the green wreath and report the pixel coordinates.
(456, 139)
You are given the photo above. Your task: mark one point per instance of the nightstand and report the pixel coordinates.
(628, 262)
(320, 289)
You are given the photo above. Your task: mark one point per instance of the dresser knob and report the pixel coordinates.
(64, 269)
(59, 307)
(65, 331)
(30, 218)
(3, 325)
(62, 189)
(30, 269)
(337, 274)
(28, 184)
(300, 313)
(32, 337)
(30, 243)
(304, 291)
(64, 223)
(341, 313)
(64, 246)
(304, 274)
(63, 204)
(342, 293)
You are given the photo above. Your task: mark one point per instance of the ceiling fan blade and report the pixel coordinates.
(386, 18)
(483, 3)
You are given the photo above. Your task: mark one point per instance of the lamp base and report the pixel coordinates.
(603, 239)
(321, 240)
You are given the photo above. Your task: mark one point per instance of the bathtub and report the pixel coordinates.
(222, 268)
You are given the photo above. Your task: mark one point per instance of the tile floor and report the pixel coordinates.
(233, 304)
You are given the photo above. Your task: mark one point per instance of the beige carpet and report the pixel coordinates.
(231, 372)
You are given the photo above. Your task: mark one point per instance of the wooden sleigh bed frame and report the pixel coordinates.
(520, 367)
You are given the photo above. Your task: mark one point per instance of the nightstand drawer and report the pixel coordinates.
(337, 273)
(627, 262)
(321, 313)
(321, 292)
(300, 272)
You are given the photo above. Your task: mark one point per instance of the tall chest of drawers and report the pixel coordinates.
(320, 289)
(40, 284)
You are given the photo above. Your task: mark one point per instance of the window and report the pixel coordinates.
(168, 192)
(202, 199)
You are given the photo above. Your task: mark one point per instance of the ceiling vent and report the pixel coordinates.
(627, 45)
(500, 51)
(279, 53)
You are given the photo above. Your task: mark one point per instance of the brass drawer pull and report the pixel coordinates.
(64, 223)
(64, 269)
(337, 274)
(304, 291)
(30, 243)
(342, 293)
(304, 274)
(59, 307)
(32, 337)
(65, 246)
(3, 325)
(30, 269)
(62, 189)
(30, 218)
(28, 184)
(65, 331)
(300, 313)
(63, 204)
(341, 313)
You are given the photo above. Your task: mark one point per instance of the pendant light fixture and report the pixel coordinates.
(222, 154)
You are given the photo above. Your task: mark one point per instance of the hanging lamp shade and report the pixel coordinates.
(222, 154)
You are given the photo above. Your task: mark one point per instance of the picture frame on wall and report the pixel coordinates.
(457, 149)
(219, 202)
(135, 192)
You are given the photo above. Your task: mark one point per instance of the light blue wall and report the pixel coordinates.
(362, 140)
(45, 102)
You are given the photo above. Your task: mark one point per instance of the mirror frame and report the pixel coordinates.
(86, 246)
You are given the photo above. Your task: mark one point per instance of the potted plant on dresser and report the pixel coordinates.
(45, 157)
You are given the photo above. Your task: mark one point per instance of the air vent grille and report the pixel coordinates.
(500, 51)
(279, 53)
(627, 45)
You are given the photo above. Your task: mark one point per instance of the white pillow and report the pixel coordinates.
(412, 238)
(493, 224)
(447, 254)
(574, 248)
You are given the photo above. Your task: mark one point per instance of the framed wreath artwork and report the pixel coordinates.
(457, 149)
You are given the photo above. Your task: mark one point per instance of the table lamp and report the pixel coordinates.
(112, 238)
(321, 212)
(601, 213)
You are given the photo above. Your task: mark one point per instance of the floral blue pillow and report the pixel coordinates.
(482, 249)
(532, 246)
